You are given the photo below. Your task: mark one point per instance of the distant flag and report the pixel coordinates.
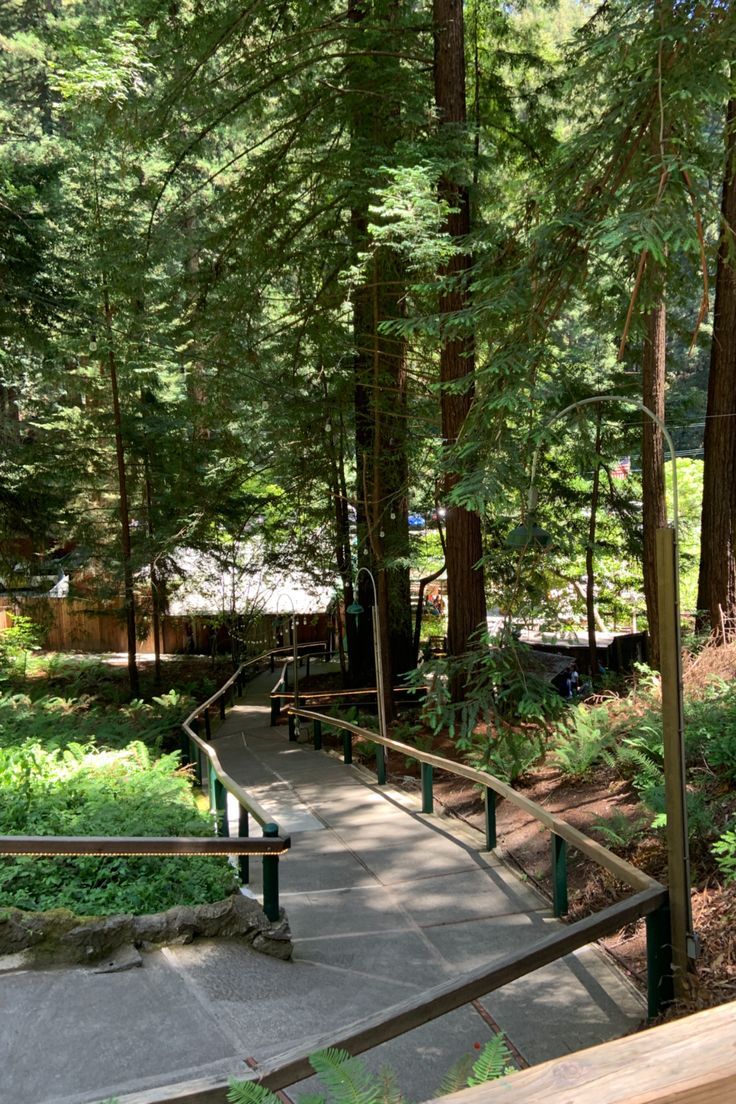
(623, 469)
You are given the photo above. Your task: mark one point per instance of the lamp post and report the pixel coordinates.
(683, 940)
(295, 650)
(356, 609)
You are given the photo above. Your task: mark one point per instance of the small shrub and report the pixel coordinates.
(580, 743)
(621, 831)
(724, 850)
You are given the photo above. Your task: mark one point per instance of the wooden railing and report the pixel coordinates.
(562, 834)
(213, 777)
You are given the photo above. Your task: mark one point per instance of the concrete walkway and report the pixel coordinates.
(383, 902)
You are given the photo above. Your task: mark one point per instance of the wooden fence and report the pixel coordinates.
(85, 625)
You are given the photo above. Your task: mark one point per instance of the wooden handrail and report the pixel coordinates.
(625, 871)
(144, 845)
(240, 795)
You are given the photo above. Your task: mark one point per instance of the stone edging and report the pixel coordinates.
(61, 937)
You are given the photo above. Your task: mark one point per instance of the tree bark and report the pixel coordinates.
(380, 379)
(125, 543)
(590, 553)
(653, 491)
(717, 578)
(466, 606)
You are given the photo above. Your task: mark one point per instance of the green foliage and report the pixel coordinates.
(348, 1081)
(16, 642)
(724, 850)
(81, 790)
(581, 738)
(620, 830)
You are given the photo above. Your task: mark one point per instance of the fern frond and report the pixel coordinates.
(457, 1076)
(345, 1077)
(493, 1062)
(390, 1092)
(250, 1092)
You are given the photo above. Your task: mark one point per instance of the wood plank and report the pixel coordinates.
(689, 1061)
(625, 871)
(144, 845)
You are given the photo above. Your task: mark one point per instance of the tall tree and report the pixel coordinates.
(464, 548)
(717, 580)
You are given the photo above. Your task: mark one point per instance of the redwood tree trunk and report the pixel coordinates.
(466, 606)
(717, 579)
(379, 365)
(125, 543)
(653, 492)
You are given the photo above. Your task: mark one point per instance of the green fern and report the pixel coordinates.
(457, 1076)
(494, 1061)
(250, 1092)
(345, 1077)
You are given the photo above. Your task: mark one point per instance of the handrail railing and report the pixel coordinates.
(625, 871)
(658, 968)
(212, 776)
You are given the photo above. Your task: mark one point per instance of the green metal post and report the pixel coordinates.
(271, 878)
(185, 744)
(490, 819)
(292, 728)
(660, 984)
(223, 827)
(317, 735)
(347, 747)
(275, 710)
(211, 779)
(559, 875)
(207, 725)
(244, 832)
(427, 790)
(222, 707)
(380, 764)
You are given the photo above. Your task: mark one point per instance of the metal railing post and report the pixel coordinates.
(222, 707)
(244, 860)
(207, 724)
(559, 875)
(271, 878)
(660, 983)
(292, 728)
(223, 827)
(347, 747)
(275, 710)
(317, 728)
(490, 811)
(427, 788)
(380, 764)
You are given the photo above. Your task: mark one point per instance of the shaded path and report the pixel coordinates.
(383, 902)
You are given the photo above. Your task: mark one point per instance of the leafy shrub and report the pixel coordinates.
(581, 740)
(618, 830)
(498, 691)
(16, 642)
(724, 850)
(80, 790)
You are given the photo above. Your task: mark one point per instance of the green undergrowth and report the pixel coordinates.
(347, 1080)
(86, 791)
(78, 758)
(624, 736)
